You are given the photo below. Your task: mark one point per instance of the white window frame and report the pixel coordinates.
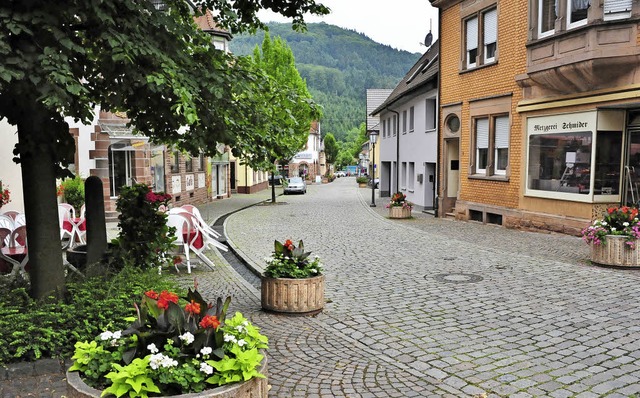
(469, 43)
(431, 114)
(403, 176)
(489, 34)
(412, 112)
(412, 176)
(571, 24)
(612, 9)
(501, 141)
(404, 122)
(550, 32)
(485, 141)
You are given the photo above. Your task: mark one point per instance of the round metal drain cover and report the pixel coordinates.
(457, 278)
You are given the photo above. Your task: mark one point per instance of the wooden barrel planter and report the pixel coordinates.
(293, 296)
(399, 212)
(615, 252)
(254, 388)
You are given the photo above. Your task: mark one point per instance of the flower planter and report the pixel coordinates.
(399, 212)
(615, 252)
(362, 184)
(293, 296)
(254, 388)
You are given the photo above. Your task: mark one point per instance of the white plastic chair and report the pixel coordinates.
(183, 227)
(20, 220)
(11, 213)
(8, 223)
(64, 214)
(203, 224)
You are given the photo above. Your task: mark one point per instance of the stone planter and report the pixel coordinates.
(362, 184)
(254, 388)
(293, 296)
(399, 212)
(615, 252)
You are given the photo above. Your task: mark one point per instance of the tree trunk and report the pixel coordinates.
(40, 204)
(273, 187)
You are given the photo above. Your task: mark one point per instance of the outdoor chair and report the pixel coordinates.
(11, 213)
(64, 214)
(20, 219)
(183, 228)
(203, 224)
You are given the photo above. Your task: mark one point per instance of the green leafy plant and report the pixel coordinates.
(144, 239)
(362, 180)
(172, 348)
(289, 261)
(73, 189)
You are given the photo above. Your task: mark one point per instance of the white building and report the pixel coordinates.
(10, 172)
(408, 134)
(306, 163)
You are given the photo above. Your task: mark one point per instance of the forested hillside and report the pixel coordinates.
(339, 65)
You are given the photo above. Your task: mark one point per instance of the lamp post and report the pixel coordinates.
(373, 137)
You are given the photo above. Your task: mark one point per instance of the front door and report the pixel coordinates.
(452, 174)
(120, 167)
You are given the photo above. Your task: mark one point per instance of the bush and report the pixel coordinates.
(31, 329)
(362, 180)
(73, 189)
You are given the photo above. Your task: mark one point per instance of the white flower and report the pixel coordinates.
(313, 271)
(604, 223)
(117, 335)
(206, 368)
(206, 350)
(245, 323)
(230, 338)
(106, 335)
(168, 362)
(187, 338)
(152, 348)
(157, 360)
(240, 328)
(242, 343)
(626, 224)
(613, 228)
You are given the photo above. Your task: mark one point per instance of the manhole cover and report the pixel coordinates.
(457, 278)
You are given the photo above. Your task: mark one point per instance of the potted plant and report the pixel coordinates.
(362, 181)
(613, 239)
(399, 206)
(73, 191)
(293, 282)
(172, 348)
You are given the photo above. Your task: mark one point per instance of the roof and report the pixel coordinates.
(209, 25)
(375, 97)
(421, 73)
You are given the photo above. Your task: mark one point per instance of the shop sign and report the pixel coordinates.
(562, 123)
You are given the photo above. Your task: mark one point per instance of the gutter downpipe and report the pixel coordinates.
(436, 207)
(397, 149)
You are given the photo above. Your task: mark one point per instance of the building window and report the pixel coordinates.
(395, 125)
(491, 140)
(547, 14)
(404, 122)
(617, 9)
(481, 37)
(412, 175)
(201, 162)
(411, 118)
(577, 12)
(430, 117)
(188, 163)
(175, 162)
(403, 176)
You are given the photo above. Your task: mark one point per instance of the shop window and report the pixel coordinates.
(491, 140)
(560, 162)
(175, 162)
(608, 164)
(481, 36)
(577, 12)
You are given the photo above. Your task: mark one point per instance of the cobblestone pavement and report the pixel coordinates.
(434, 307)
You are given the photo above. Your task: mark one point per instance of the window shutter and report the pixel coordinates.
(614, 6)
(472, 34)
(490, 26)
(482, 133)
(502, 132)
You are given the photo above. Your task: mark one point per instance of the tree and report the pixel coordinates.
(282, 130)
(330, 148)
(124, 55)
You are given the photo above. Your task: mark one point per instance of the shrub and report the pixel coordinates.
(73, 189)
(362, 180)
(31, 329)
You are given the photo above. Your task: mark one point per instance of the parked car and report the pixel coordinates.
(376, 181)
(340, 173)
(295, 185)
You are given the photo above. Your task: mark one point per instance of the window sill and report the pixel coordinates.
(475, 68)
(430, 130)
(488, 178)
(403, 189)
(411, 190)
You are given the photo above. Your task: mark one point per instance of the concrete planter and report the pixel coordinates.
(293, 296)
(615, 252)
(399, 212)
(254, 388)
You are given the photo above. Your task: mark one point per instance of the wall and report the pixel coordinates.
(10, 172)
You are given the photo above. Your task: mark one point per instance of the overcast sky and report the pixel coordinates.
(402, 24)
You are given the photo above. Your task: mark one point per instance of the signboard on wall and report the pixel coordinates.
(190, 182)
(176, 185)
(201, 180)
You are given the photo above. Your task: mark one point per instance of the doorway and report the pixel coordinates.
(452, 174)
(121, 172)
(429, 185)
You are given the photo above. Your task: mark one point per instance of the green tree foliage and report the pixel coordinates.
(282, 130)
(338, 65)
(125, 55)
(330, 148)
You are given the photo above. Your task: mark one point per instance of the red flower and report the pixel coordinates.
(288, 244)
(151, 294)
(210, 321)
(192, 308)
(165, 298)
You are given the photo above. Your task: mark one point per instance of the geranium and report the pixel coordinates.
(172, 349)
(621, 221)
(5, 195)
(399, 200)
(157, 197)
(289, 261)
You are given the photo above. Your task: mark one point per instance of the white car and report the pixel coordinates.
(295, 185)
(340, 173)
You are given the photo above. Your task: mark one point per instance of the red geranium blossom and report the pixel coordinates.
(192, 308)
(210, 321)
(165, 298)
(288, 244)
(151, 294)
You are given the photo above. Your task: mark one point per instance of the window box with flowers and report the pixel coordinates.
(293, 282)
(399, 206)
(172, 349)
(614, 239)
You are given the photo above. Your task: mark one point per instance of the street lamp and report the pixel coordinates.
(373, 137)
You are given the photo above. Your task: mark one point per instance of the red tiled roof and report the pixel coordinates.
(207, 24)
